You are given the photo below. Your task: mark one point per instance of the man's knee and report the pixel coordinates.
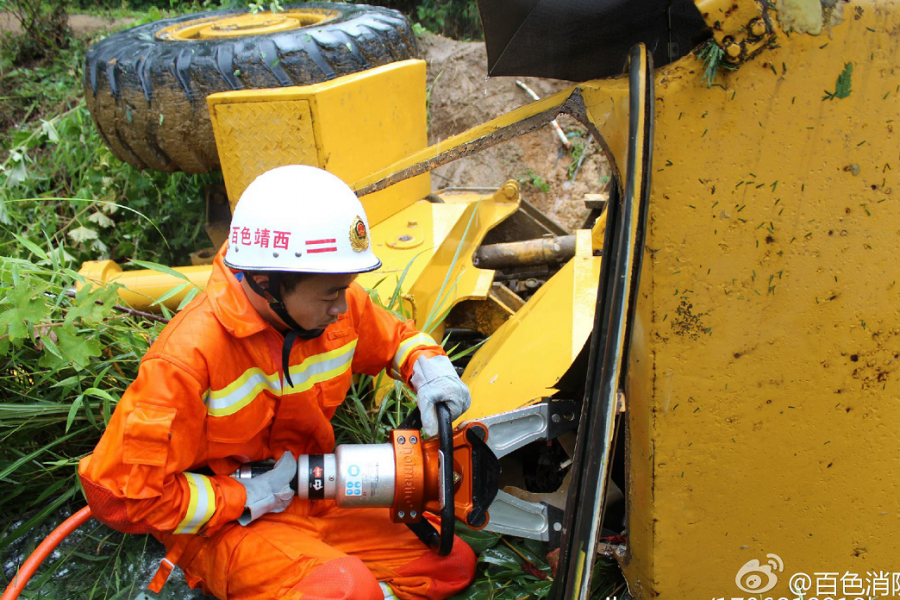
(445, 575)
(458, 568)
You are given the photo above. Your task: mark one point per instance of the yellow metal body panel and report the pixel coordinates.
(525, 357)
(765, 342)
(440, 270)
(765, 337)
(350, 126)
(260, 136)
(738, 26)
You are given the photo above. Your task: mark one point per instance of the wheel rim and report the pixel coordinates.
(245, 24)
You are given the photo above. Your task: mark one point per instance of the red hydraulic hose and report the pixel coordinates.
(43, 551)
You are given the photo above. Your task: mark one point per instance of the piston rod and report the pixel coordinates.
(542, 251)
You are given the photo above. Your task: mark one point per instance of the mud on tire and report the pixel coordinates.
(147, 95)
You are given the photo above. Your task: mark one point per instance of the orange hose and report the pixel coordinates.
(43, 551)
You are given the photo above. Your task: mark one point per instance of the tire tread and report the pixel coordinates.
(148, 96)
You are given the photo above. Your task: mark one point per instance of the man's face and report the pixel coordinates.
(318, 300)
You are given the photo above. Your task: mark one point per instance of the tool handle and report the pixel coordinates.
(445, 441)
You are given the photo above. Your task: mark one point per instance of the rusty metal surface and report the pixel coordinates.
(495, 132)
(488, 315)
(542, 251)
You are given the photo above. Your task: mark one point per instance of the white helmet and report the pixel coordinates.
(300, 219)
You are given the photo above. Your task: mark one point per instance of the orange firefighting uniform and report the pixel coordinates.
(210, 396)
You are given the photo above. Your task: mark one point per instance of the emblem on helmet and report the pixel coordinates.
(359, 237)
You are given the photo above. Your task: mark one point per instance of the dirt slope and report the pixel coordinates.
(462, 96)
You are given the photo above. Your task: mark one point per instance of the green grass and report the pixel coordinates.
(533, 179)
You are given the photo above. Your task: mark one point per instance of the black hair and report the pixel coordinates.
(289, 281)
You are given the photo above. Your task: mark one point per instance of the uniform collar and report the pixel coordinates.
(229, 301)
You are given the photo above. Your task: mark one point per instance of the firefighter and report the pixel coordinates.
(254, 369)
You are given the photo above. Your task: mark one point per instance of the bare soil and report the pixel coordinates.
(461, 95)
(80, 24)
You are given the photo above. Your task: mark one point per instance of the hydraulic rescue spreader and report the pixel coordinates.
(455, 476)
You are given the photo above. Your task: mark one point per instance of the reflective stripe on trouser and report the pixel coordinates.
(328, 553)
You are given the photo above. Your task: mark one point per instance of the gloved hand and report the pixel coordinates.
(269, 492)
(435, 381)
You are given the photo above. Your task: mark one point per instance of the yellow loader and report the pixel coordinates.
(728, 323)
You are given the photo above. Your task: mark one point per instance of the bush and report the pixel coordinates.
(45, 29)
(61, 185)
(64, 362)
(457, 19)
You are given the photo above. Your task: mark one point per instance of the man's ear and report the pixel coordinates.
(262, 280)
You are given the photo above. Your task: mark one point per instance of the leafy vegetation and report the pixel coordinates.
(712, 55)
(60, 182)
(533, 179)
(45, 28)
(57, 158)
(66, 358)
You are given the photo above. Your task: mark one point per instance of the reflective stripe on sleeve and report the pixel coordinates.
(315, 369)
(202, 504)
(408, 345)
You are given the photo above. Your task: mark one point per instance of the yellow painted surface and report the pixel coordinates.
(598, 229)
(350, 126)
(440, 270)
(254, 137)
(763, 363)
(140, 289)
(766, 337)
(246, 24)
(525, 357)
(729, 18)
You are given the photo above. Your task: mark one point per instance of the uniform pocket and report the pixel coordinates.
(334, 390)
(148, 429)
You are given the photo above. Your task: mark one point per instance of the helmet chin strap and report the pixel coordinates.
(272, 295)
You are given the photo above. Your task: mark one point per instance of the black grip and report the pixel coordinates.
(445, 441)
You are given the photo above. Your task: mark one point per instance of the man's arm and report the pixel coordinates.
(411, 356)
(138, 479)
(386, 342)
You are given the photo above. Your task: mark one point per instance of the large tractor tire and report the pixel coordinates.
(146, 87)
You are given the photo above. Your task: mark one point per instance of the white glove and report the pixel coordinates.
(436, 382)
(271, 491)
